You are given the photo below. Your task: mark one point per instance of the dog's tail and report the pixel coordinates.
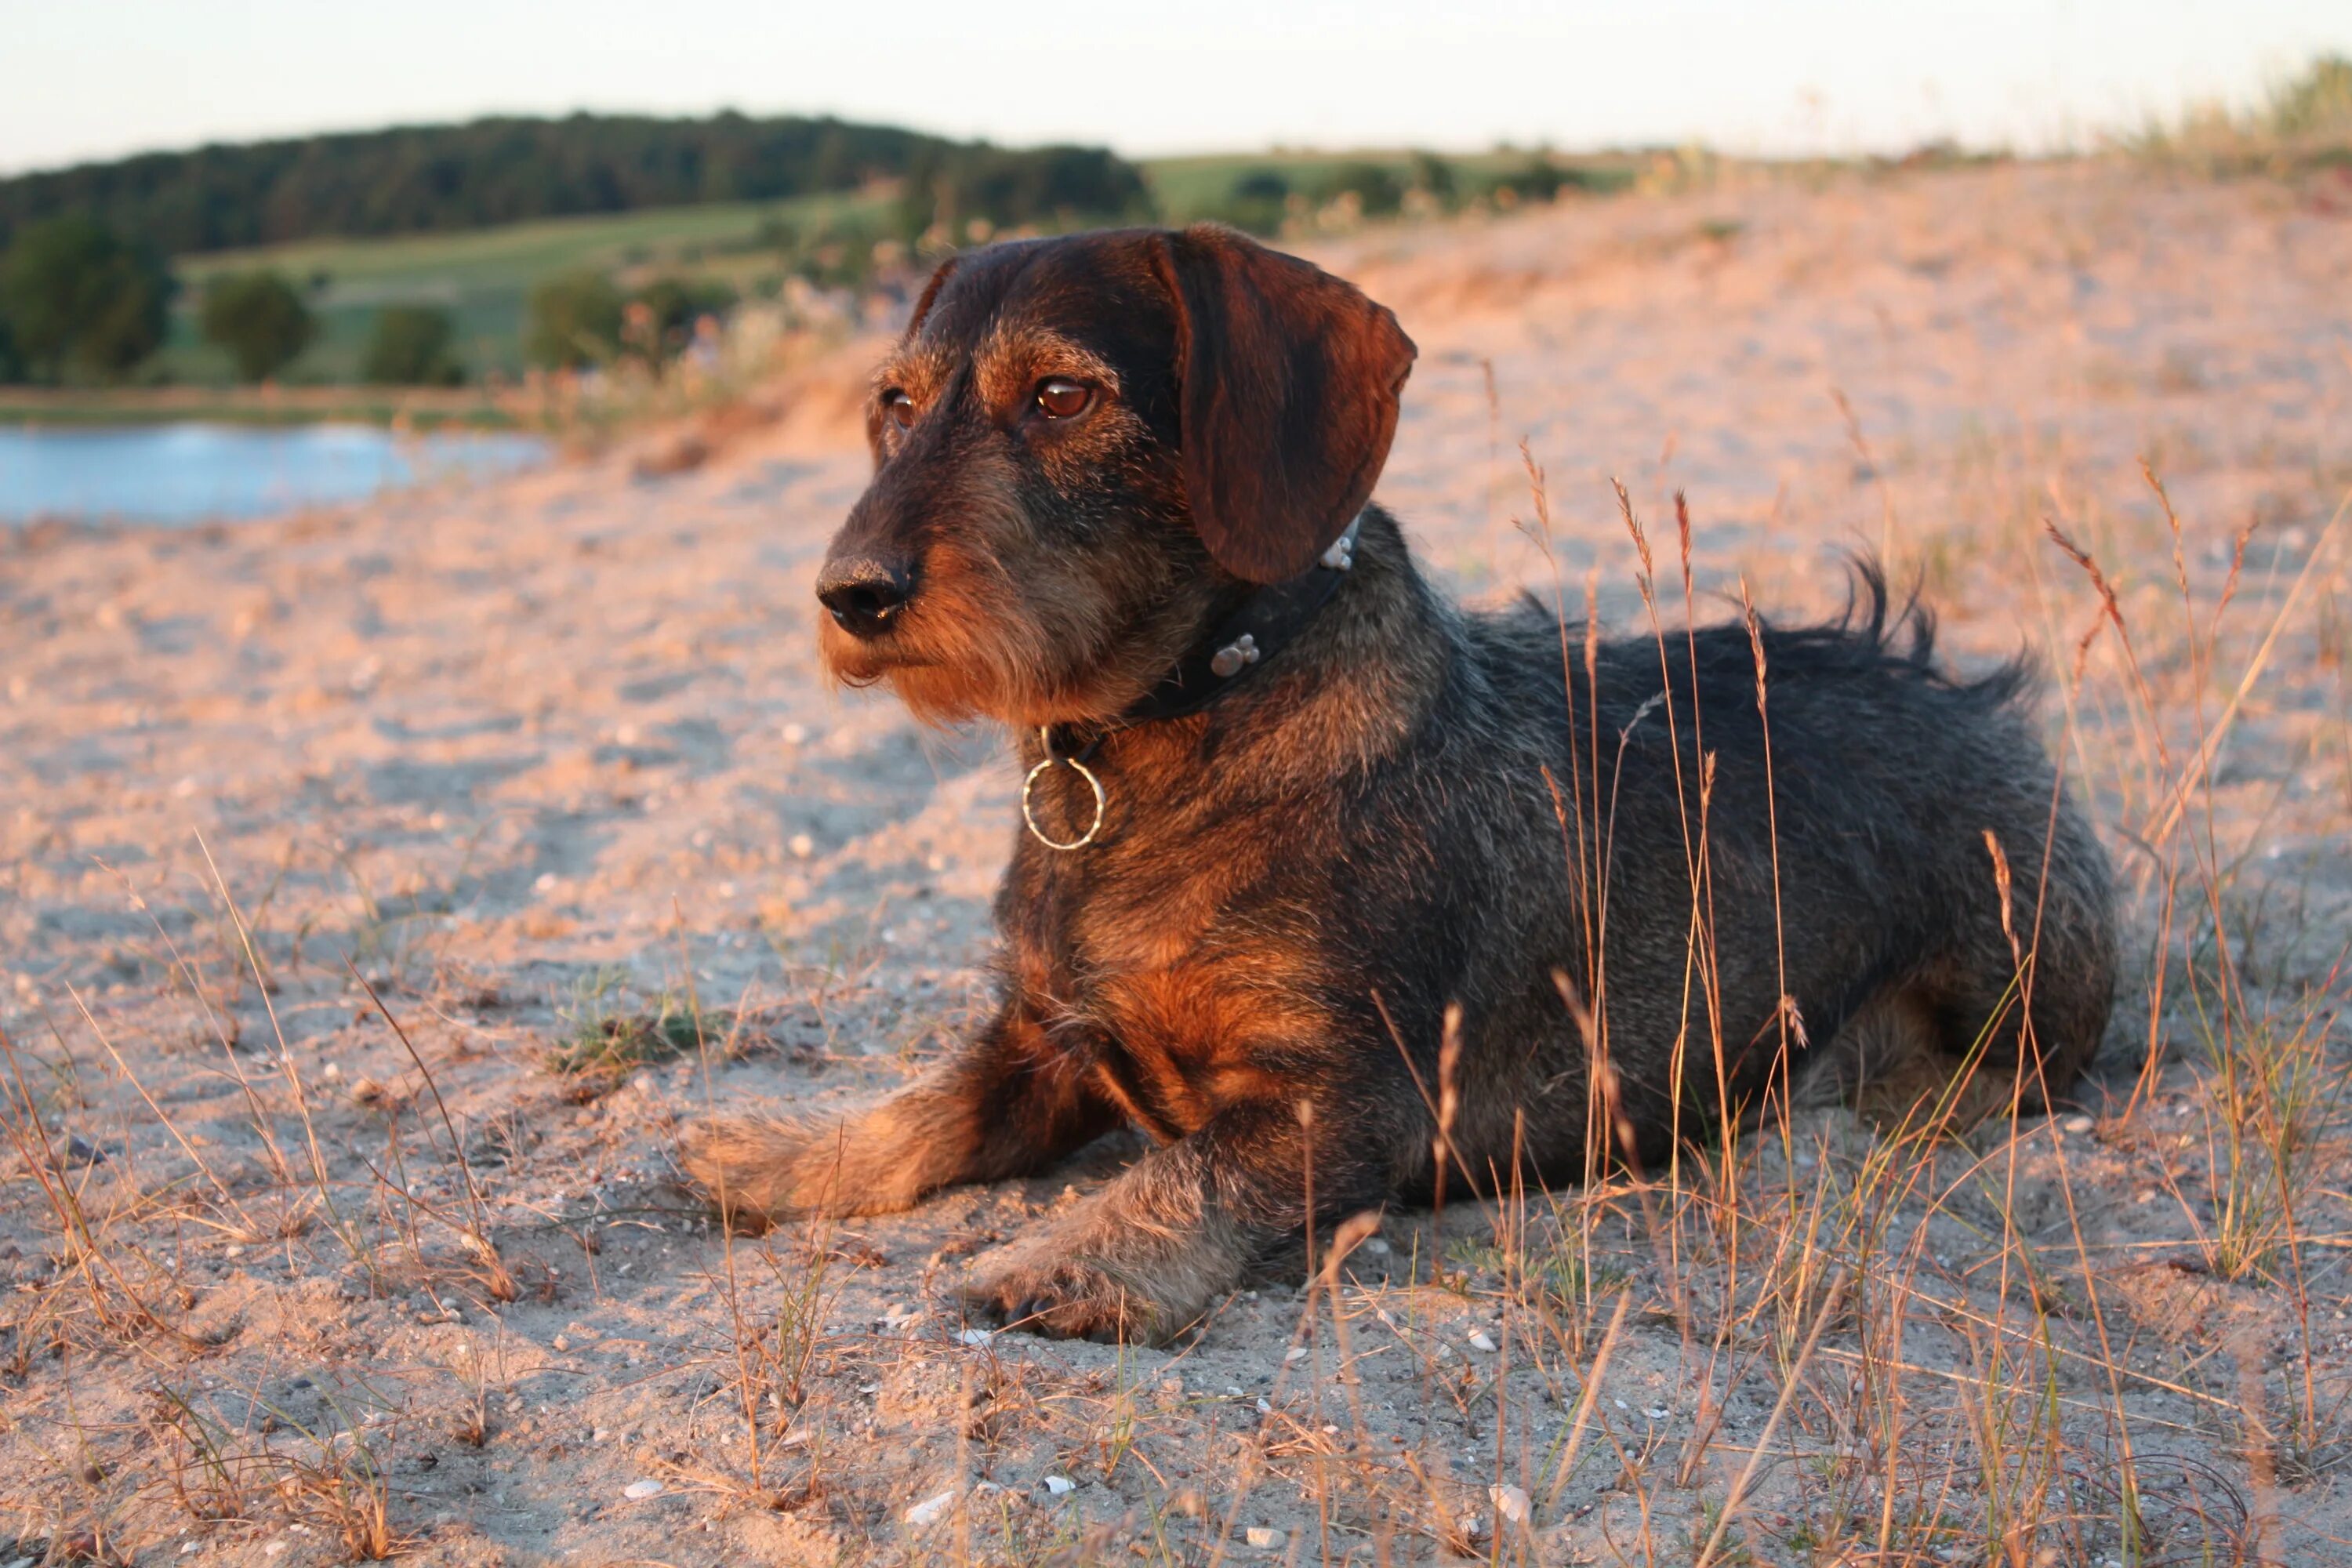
(1876, 630)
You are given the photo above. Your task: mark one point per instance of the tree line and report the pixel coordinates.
(429, 179)
(86, 290)
(78, 303)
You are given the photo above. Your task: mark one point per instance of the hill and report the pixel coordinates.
(440, 179)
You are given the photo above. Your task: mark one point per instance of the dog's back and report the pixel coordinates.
(1868, 841)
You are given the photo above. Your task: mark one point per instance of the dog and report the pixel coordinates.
(1324, 883)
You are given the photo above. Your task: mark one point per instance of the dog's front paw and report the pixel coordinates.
(1061, 1295)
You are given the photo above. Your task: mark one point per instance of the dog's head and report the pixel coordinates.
(1083, 447)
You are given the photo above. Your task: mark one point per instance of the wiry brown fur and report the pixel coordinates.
(1255, 960)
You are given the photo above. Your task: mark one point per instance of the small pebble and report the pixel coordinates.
(974, 1336)
(803, 847)
(1377, 1248)
(795, 733)
(930, 1509)
(1296, 1353)
(1656, 1414)
(637, 1491)
(1263, 1537)
(1511, 1502)
(2078, 1124)
(1057, 1485)
(1479, 1342)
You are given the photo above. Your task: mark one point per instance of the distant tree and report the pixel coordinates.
(949, 186)
(1435, 175)
(1540, 179)
(668, 308)
(427, 179)
(1259, 202)
(75, 295)
(574, 321)
(411, 346)
(1373, 186)
(12, 365)
(260, 319)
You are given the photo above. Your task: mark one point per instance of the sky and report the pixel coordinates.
(92, 80)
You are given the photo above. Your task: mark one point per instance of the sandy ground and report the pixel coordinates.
(543, 758)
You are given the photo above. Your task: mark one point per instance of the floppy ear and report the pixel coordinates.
(1288, 380)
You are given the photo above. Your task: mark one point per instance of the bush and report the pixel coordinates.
(662, 315)
(1373, 184)
(1434, 175)
(2319, 102)
(951, 187)
(76, 294)
(411, 347)
(260, 319)
(574, 321)
(1258, 202)
(12, 366)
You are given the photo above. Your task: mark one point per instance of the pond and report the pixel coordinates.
(205, 473)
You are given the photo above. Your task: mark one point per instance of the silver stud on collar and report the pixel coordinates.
(1342, 554)
(1233, 657)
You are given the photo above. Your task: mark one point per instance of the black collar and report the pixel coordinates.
(1246, 640)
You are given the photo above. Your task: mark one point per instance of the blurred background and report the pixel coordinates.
(508, 215)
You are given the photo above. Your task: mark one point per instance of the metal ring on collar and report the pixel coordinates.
(1102, 802)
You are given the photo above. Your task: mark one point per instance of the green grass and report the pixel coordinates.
(604, 1040)
(482, 277)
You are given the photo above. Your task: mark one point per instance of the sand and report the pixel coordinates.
(525, 758)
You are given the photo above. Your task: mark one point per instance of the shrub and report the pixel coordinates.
(411, 347)
(951, 187)
(2317, 103)
(260, 319)
(662, 313)
(1434, 175)
(1258, 202)
(574, 321)
(1374, 186)
(75, 293)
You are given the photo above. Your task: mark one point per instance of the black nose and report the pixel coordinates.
(864, 595)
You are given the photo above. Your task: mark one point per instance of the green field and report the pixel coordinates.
(484, 276)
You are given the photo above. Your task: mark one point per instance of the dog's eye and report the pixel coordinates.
(898, 408)
(1061, 398)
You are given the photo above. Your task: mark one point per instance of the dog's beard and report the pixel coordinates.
(950, 669)
(949, 665)
(1022, 647)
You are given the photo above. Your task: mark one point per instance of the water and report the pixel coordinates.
(204, 473)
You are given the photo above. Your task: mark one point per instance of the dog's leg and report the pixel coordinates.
(1009, 1102)
(1144, 1257)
